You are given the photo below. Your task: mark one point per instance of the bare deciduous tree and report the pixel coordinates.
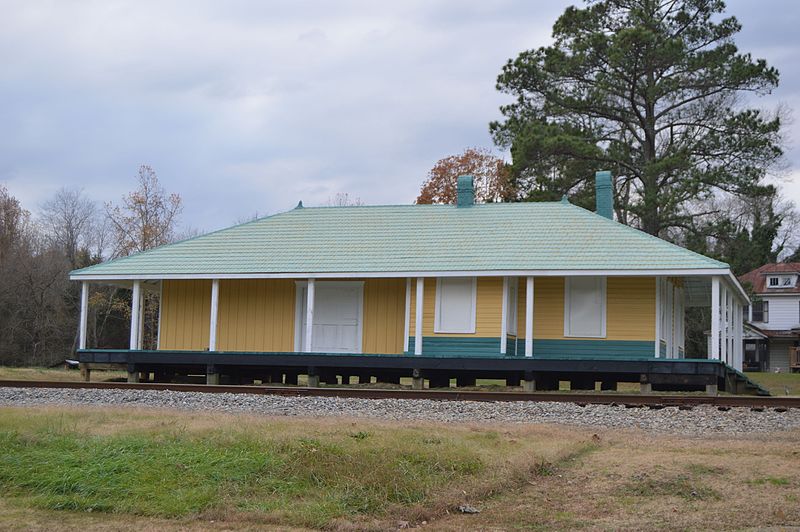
(69, 218)
(343, 199)
(146, 218)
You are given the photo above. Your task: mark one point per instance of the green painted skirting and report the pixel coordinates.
(560, 349)
(576, 349)
(457, 347)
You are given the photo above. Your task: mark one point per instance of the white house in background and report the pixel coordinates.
(772, 334)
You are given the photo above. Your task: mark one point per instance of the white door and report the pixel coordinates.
(337, 317)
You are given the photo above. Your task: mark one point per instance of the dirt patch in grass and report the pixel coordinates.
(657, 484)
(242, 471)
(640, 482)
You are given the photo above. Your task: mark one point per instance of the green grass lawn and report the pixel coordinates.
(778, 383)
(285, 472)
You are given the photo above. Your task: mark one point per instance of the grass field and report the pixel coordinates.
(107, 469)
(248, 470)
(778, 383)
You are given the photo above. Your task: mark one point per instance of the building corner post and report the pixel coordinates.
(504, 319)
(529, 316)
(407, 317)
(419, 300)
(310, 296)
(715, 318)
(136, 302)
(84, 314)
(658, 318)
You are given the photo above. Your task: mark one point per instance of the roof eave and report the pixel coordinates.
(89, 276)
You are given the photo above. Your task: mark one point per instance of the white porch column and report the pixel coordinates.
(136, 303)
(84, 315)
(729, 331)
(160, 306)
(723, 355)
(670, 313)
(212, 330)
(529, 316)
(407, 327)
(140, 335)
(658, 317)
(504, 319)
(740, 340)
(420, 300)
(750, 312)
(734, 312)
(715, 318)
(309, 332)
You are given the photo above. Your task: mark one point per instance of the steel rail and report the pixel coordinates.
(629, 400)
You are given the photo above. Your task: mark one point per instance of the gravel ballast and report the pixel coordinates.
(699, 420)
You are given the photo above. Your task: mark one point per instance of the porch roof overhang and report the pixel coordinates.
(698, 280)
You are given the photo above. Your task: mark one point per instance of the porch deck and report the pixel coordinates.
(583, 372)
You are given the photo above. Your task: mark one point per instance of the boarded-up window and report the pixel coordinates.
(455, 305)
(585, 307)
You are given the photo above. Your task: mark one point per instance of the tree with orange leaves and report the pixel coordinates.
(490, 173)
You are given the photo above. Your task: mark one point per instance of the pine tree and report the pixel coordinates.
(650, 89)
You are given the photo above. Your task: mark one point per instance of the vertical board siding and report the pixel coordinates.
(428, 307)
(185, 314)
(384, 315)
(256, 315)
(548, 308)
(488, 309)
(522, 295)
(631, 308)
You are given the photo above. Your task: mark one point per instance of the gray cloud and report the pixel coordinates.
(248, 107)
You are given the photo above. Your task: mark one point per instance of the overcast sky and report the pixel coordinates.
(250, 106)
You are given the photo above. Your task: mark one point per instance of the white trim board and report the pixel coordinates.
(430, 273)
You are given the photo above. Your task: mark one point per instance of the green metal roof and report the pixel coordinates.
(414, 238)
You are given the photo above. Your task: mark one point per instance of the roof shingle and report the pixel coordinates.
(414, 238)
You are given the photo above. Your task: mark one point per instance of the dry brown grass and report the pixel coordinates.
(541, 477)
(55, 374)
(637, 482)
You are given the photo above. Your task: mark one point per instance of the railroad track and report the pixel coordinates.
(628, 400)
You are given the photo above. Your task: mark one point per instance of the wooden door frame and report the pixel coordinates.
(299, 303)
